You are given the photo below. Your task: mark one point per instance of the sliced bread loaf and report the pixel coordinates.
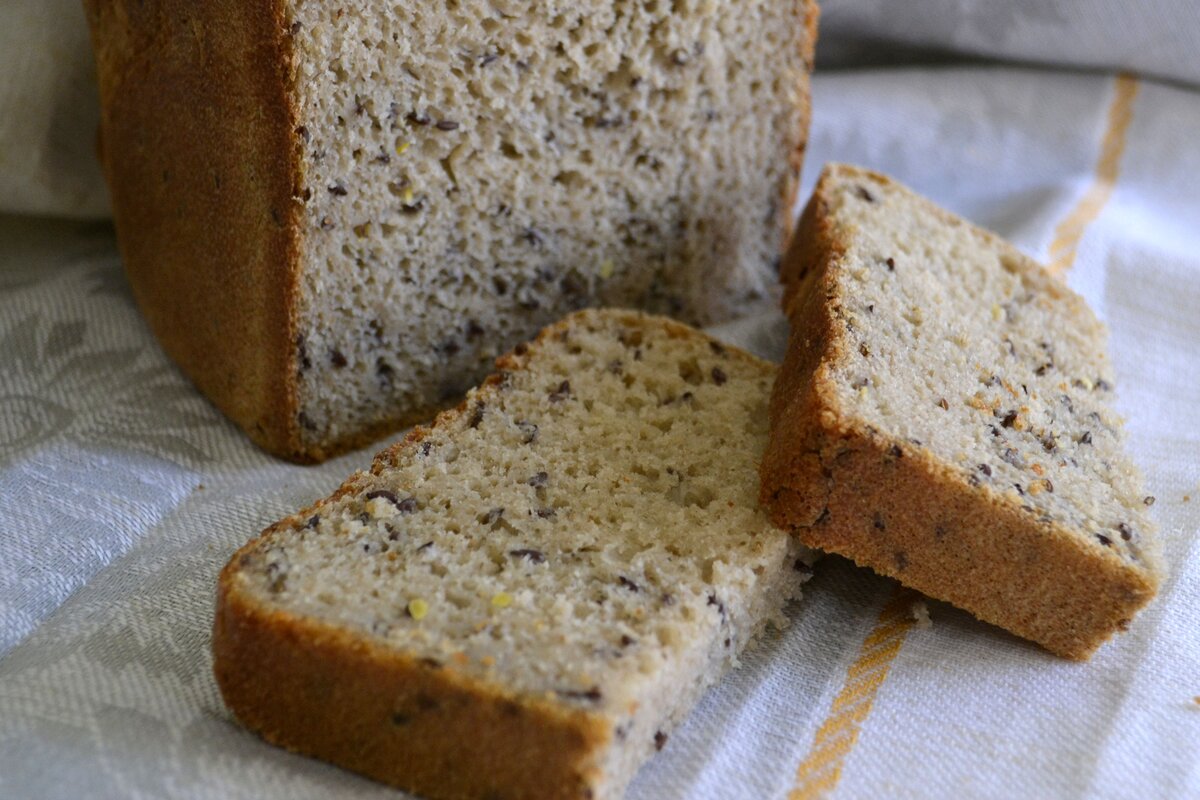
(522, 600)
(336, 215)
(944, 417)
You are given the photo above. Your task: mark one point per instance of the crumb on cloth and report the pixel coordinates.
(920, 614)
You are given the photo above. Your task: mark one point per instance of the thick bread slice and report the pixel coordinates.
(523, 599)
(336, 215)
(943, 416)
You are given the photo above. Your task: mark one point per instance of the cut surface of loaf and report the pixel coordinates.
(944, 416)
(336, 215)
(523, 599)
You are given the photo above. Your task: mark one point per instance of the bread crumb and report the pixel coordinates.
(920, 614)
(502, 600)
(380, 508)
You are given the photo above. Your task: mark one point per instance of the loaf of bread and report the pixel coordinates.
(944, 416)
(522, 600)
(336, 215)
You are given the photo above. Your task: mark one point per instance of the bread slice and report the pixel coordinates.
(943, 417)
(523, 599)
(336, 215)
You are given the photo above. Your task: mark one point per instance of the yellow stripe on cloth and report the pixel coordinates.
(819, 772)
(1070, 231)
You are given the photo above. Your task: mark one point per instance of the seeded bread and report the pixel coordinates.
(523, 599)
(944, 417)
(336, 215)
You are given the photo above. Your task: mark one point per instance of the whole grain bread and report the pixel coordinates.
(336, 215)
(523, 599)
(944, 417)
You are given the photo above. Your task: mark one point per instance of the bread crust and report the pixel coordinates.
(198, 142)
(891, 505)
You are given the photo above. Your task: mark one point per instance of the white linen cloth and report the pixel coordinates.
(122, 493)
(1152, 37)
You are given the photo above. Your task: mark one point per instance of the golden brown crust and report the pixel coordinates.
(202, 160)
(892, 506)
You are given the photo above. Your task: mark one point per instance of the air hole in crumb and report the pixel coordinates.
(689, 370)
